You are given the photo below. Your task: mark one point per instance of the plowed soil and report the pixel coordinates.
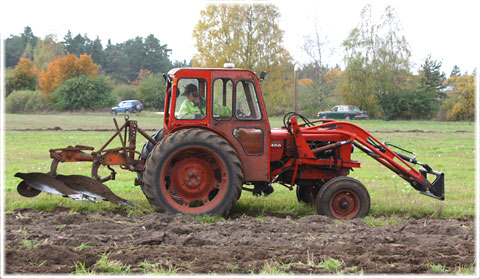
(62, 242)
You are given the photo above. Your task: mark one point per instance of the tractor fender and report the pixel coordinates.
(148, 146)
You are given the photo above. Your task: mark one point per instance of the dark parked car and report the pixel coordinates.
(343, 112)
(128, 106)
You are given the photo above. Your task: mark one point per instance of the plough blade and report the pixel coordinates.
(76, 187)
(91, 187)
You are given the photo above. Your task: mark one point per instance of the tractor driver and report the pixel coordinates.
(194, 107)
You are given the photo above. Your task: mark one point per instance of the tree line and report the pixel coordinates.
(80, 73)
(377, 77)
(122, 61)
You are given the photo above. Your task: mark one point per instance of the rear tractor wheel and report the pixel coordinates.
(193, 171)
(144, 153)
(343, 198)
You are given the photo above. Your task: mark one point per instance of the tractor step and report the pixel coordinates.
(76, 187)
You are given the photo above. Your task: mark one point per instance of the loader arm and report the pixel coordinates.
(397, 162)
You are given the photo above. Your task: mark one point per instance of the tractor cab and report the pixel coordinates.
(226, 101)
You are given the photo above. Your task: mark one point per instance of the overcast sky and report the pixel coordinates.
(448, 30)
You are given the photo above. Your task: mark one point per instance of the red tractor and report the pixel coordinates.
(201, 160)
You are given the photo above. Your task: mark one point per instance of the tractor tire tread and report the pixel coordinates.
(340, 183)
(194, 135)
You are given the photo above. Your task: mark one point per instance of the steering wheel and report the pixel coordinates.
(241, 113)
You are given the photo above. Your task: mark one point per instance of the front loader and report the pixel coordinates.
(200, 163)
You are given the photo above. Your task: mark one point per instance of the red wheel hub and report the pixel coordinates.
(195, 181)
(345, 204)
(193, 178)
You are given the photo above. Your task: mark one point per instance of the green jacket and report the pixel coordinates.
(188, 110)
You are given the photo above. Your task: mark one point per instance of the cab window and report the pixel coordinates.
(222, 99)
(246, 101)
(190, 99)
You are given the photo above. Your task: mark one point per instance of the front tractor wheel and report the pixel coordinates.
(343, 198)
(193, 171)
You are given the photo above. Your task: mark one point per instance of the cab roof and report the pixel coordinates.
(175, 70)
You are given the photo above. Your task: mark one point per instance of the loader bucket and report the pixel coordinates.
(76, 187)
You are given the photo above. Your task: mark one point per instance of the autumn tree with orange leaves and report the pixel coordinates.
(24, 77)
(64, 68)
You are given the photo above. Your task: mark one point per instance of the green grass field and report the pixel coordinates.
(446, 146)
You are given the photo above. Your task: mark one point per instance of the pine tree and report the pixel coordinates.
(432, 80)
(455, 71)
